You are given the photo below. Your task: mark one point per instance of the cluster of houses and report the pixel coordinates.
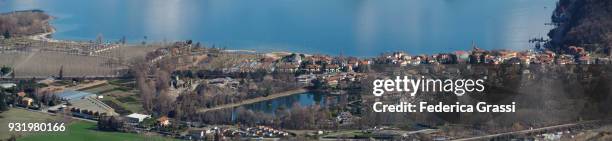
(294, 63)
(224, 82)
(332, 70)
(316, 64)
(78, 103)
(345, 118)
(574, 55)
(213, 133)
(102, 47)
(22, 99)
(264, 131)
(331, 80)
(25, 101)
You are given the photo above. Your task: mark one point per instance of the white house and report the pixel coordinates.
(136, 117)
(8, 85)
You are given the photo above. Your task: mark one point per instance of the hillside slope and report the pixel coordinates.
(584, 23)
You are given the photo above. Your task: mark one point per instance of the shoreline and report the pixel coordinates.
(254, 100)
(273, 54)
(45, 35)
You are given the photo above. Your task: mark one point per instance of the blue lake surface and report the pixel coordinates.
(287, 102)
(348, 27)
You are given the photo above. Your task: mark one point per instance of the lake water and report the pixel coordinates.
(348, 27)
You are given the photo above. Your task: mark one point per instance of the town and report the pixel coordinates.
(113, 99)
(188, 90)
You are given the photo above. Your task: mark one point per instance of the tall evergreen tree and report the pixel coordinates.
(6, 34)
(61, 72)
(3, 105)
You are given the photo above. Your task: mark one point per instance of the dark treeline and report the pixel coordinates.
(110, 123)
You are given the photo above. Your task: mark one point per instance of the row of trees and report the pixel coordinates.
(3, 101)
(154, 93)
(297, 117)
(110, 123)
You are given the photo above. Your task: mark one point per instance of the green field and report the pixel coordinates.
(348, 134)
(99, 89)
(85, 131)
(14, 115)
(129, 103)
(118, 97)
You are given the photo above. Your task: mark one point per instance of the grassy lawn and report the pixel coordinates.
(117, 97)
(18, 116)
(133, 106)
(85, 131)
(347, 133)
(120, 82)
(99, 88)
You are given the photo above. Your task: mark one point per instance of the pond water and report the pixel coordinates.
(303, 100)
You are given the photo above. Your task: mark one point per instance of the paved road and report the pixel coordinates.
(254, 100)
(7, 74)
(404, 132)
(524, 131)
(65, 77)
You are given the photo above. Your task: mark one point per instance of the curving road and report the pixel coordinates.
(522, 132)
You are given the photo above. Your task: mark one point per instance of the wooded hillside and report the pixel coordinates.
(584, 23)
(23, 23)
